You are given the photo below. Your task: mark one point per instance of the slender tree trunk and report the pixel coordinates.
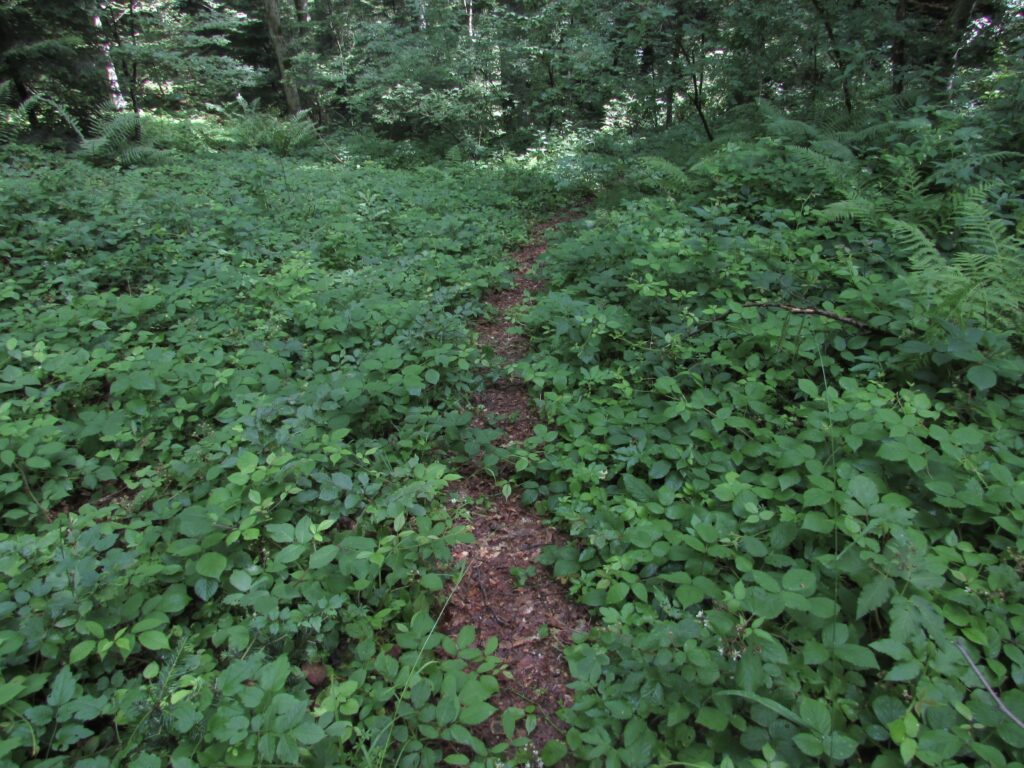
(328, 16)
(302, 11)
(697, 95)
(899, 49)
(672, 64)
(959, 18)
(552, 85)
(835, 54)
(468, 4)
(113, 84)
(133, 78)
(280, 45)
(938, 28)
(698, 104)
(421, 13)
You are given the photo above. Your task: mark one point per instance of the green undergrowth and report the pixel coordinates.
(228, 383)
(785, 523)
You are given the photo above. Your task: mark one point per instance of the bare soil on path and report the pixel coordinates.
(505, 592)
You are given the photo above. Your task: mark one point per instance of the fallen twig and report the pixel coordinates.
(991, 692)
(814, 311)
(487, 602)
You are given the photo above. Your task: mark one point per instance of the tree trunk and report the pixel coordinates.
(698, 104)
(133, 77)
(937, 29)
(697, 96)
(280, 45)
(468, 4)
(302, 11)
(835, 54)
(899, 49)
(113, 84)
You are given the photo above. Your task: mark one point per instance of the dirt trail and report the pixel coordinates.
(505, 593)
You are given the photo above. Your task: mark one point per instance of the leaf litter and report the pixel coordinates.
(505, 593)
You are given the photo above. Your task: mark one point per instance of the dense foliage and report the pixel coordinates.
(220, 379)
(475, 74)
(778, 364)
(785, 521)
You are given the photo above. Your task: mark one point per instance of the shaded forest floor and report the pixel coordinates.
(740, 464)
(506, 593)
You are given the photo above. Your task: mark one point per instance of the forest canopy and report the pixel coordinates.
(477, 73)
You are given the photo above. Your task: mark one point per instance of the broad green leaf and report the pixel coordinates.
(767, 704)
(509, 718)
(874, 595)
(810, 744)
(211, 565)
(982, 377)
(62, 689)
(247, 462)
(476, 712)
(308, 733)
(815, 713)
(240, 580)
(858, 656)
(658, 470)
(713, 718)
(81, 650)
(799, 580)
(275, 674)
(863, 489)
(323, 557)
(154, 640)
(10, 689)
(552, 752)
(903, 671)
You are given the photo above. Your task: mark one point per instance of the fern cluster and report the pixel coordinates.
(14, 116)
(980, 280)
(251, 128)
(118, 140)
(957, 250)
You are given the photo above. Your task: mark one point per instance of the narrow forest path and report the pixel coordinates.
(505, 592)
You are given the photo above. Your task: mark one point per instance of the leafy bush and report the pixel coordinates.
(224, 534)
(787, 521)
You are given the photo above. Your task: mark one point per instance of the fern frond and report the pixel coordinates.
(883, 130)
(840, 173)
(981, 281)
(659, 173)
(980, 228)
(835, 149)
(853, 208)
(14, 121)
(913, 243)
(780, 125)
(118, 140)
